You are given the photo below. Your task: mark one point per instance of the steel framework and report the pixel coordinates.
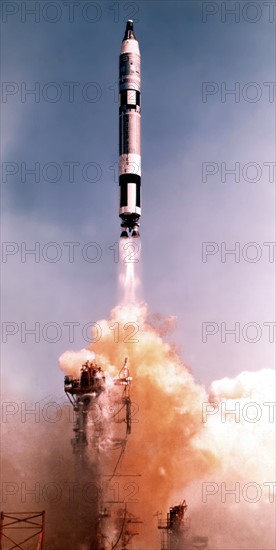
(14, 522)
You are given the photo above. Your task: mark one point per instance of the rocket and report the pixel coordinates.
(130, 134)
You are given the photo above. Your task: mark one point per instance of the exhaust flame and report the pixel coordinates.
(130, 258)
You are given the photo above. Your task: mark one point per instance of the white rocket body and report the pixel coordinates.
(130, 133)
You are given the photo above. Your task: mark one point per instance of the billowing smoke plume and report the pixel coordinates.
(184, 443)
(216, 449)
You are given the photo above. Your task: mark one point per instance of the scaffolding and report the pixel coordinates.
(175, 527)
(124, 522)
(175, 531)
(84, 393)
(85, 390)
(14, 525)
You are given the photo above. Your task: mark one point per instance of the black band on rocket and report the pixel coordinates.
(124, 181)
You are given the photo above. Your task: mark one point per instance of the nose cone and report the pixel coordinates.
(129, 32)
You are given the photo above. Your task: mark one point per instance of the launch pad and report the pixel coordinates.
(84, 391)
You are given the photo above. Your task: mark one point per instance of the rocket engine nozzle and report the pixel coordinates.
(124, 234)
(135, 233)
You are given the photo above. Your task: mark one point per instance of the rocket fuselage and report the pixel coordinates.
(130, 133)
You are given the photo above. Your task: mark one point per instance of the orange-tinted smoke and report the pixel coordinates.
(170, 445)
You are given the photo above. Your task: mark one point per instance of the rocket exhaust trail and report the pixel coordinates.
(129, 271)
(129, 134)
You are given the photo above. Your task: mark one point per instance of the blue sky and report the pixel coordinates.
(180, 131)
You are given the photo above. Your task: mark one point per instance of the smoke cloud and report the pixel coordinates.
(214, 448)
(186, 442)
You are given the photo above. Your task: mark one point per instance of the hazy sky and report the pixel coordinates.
(192, 52)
